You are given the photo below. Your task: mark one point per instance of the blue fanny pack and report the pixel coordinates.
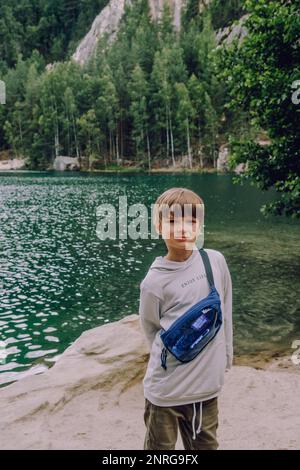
(192, 332)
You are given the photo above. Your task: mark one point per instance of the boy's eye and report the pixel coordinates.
(190, 222)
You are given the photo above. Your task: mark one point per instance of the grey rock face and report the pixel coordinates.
(236, 30)
(108, 20)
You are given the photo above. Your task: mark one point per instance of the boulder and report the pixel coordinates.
(66, 163)
(12, 164)
(222, 160)
(57, 408)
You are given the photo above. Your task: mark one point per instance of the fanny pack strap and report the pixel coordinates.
(210, 278)
(207, 265)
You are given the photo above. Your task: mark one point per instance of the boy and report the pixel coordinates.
(183, 394)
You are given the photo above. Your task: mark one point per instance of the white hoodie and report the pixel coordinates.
(168, 290)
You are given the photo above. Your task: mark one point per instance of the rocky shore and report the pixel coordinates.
(92, 398)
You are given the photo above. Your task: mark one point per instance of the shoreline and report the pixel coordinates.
(125, 170)
(260, 362)
(276, 362)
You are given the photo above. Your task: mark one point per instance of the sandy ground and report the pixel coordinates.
(257, 410)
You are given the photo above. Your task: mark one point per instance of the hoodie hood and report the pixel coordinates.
(162, 264)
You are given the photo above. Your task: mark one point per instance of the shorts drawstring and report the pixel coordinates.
(200, 420)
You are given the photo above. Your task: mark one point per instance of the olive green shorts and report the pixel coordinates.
(162, 425)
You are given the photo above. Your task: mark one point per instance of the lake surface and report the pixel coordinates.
(58, 279)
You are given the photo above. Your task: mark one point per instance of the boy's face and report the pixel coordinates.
(180, 232)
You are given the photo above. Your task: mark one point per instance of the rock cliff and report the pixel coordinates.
(91, 374)
(107, 22)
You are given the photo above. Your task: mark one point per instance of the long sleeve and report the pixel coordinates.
(228, 314)
(149, 312)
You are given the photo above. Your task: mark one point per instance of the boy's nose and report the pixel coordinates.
(184, 233)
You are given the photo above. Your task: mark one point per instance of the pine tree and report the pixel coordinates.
(185, 116)
(139, 112)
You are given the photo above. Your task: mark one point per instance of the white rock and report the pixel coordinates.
(13, 164)
(62, 163)
(92, 398)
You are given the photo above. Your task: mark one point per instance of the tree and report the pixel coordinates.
(168, 69)
(71, 111)
(28, 24)
(185, 116)
(161, 98)
(139, 112)
(224, 13)
(196, 93)
(107, 110)
(260, 74)
(89, 131)
(205, 90)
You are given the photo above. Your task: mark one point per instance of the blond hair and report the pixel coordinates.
(181, 199)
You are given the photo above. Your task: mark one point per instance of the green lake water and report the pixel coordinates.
(58, 279)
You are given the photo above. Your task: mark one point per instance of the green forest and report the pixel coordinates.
(151, 95)
(155, 95)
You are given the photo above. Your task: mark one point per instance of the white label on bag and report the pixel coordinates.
(199, 322)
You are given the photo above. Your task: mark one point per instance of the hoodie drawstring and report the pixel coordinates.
(163, 358)
(200, 420)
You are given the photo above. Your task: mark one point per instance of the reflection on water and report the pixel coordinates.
(57, 279)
